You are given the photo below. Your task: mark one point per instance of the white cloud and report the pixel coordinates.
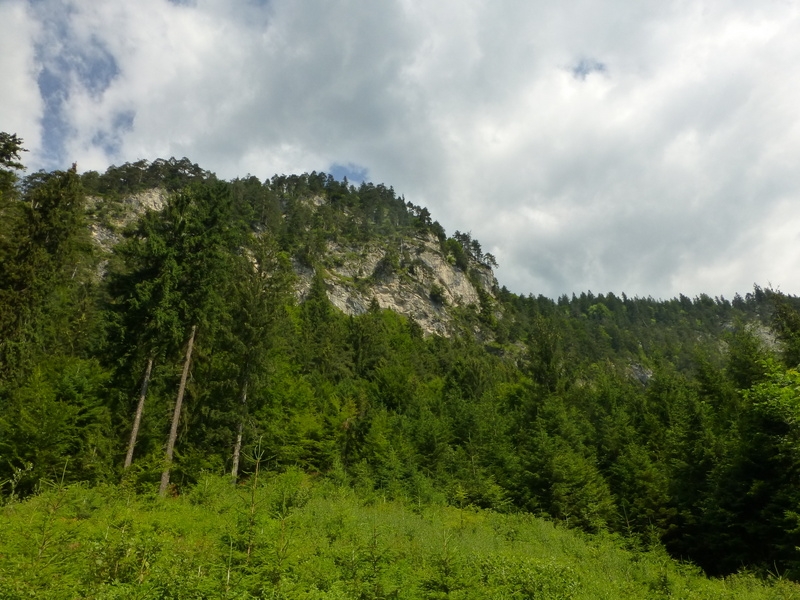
(20, 103)
(645, 148)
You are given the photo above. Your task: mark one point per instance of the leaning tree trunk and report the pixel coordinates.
(176, 416)
(237, 449)
(137, 420)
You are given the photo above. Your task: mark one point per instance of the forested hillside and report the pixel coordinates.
(178, 347)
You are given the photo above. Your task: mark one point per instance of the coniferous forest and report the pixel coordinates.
(175, 422)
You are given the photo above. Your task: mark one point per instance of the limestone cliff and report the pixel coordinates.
(107, 218)
(410, 274)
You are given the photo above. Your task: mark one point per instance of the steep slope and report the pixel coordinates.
(410, 272)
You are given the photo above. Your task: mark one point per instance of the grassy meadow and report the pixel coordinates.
(285, 536)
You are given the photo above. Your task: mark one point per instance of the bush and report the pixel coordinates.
(437, 294)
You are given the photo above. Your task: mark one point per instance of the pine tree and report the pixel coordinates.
(261, 292)
(42, 276)
(137, 419)
(10, 150)
(180, 263)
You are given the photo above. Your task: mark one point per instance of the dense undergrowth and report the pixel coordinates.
(282, 536)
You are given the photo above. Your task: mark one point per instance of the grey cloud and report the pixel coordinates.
(641, 148)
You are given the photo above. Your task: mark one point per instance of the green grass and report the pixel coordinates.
(285, 537)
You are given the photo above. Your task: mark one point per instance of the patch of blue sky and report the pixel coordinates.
(67, 61)
(96, 67)
(55, 127)
(110, 141)
(587, 66)
(193, 3)
(355, 174)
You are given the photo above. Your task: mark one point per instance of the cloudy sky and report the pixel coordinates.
(651, 148)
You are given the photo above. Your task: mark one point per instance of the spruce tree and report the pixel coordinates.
(179, 264)
(46, 258)
(261, 291)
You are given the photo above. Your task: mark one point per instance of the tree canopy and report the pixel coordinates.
(668, 422)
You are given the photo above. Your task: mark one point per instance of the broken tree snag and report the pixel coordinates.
(137, 419)
(176, 416)
(237, 449)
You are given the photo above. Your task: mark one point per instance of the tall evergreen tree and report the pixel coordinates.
(179, 267)
(43, 270)
(261, 291)
(10, 151)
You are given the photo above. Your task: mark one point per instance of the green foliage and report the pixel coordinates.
(455, 251)
(757, 480)
(10, 150)
(279, 535)
(667, 422)
(387, 266)
(745, 358)
(55, 420)
(437, 294)
(170, 174)
(786, 321)
(45, 275)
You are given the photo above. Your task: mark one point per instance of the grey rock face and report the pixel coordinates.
(117, 215)
(357, 274)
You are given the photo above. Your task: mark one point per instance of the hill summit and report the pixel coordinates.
(375, 247)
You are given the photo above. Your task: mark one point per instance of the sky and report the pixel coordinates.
(650, 148)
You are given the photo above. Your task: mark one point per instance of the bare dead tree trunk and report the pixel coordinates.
(176, 416)
(237, 449)
(137, 420)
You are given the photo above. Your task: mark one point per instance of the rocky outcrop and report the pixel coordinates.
(111, 217)
(108, 218)
(411, 276)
